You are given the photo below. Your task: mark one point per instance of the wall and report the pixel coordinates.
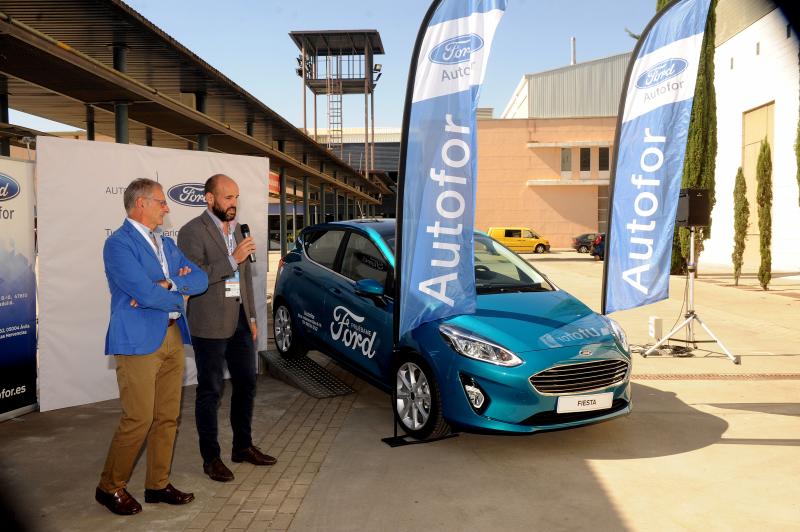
(558, 208)
(756, 80)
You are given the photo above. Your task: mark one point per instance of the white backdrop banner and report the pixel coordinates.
(80, 188)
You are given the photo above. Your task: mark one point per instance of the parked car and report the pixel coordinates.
(531, 357)
(520, 239)
(583, 243)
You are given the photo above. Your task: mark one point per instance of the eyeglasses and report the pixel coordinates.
(163, 203)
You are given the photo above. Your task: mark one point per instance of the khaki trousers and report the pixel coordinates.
(150, 391)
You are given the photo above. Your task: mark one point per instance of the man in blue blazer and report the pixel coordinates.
(150, 280)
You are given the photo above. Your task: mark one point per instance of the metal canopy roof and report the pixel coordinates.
(58, 57)
(337, 42)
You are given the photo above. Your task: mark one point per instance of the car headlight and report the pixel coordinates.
(472, 346)
(619, 334)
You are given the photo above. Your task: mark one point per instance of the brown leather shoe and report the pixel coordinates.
(120, 502)
(253, 455)
(218, 471)
(169, 495)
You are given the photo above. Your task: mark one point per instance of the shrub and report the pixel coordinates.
(741, 216)
(764, 200)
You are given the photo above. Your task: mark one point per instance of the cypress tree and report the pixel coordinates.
(741, 216)
(701, 146)
(764, 200)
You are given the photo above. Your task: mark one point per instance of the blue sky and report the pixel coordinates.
(247, 40)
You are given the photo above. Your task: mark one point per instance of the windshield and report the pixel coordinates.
(497, 269)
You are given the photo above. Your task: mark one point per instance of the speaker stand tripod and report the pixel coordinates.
(691, 316)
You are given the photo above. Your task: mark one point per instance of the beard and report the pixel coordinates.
(225, 216)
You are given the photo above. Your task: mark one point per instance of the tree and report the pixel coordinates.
(701, 146)
(741, 216)
(764, 201)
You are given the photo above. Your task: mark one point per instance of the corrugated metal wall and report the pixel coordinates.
(586, 89)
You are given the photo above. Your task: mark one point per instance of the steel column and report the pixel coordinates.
(306, 203)
(284, 247)
(323, 207)
(89, 122)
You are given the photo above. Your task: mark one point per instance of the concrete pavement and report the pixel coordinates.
(710, 445)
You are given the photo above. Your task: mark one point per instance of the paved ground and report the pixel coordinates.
(710, 445)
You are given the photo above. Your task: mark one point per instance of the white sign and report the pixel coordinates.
(80, 188)
(584, 403)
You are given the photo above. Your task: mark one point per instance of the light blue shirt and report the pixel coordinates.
(229, 239)
(158, 248)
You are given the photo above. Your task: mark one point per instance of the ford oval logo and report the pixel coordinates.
(8, 187)
(661, 72)
(189, 194)
(456, 49)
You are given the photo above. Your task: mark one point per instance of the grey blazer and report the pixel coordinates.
(211, 314)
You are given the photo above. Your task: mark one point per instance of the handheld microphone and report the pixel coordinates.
(246, 233)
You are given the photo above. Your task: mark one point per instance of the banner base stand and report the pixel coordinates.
(18, 412)
(402, 441)
(691, 316)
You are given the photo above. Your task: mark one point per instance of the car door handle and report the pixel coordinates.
(297, 270)
(334, 290)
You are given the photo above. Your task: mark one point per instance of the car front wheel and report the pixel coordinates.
(539, 248)
(583, 249)
(286, 340)
(418, 404)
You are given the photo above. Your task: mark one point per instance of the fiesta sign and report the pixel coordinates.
(661, 72)
(8, 187)
(189, 194)
(456, 49)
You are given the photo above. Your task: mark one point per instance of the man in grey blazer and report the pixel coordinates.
(223, 325)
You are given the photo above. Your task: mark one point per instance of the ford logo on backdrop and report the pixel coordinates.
(456, 49)
(189, 194)
(8, 187)
(661, 72)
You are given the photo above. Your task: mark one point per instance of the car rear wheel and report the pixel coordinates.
(418, 404)
(583, 249)
(286, 339)
(539, 248)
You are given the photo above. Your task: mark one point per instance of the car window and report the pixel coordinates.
(528, 234)
(321, 247)
(499, 270)
(362, 260)
(513, 233)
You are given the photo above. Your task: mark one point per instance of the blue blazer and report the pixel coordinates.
(132, 270)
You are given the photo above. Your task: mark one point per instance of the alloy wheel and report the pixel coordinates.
(283, 329)
(413, 396)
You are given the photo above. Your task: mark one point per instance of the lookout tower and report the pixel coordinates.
(334, 63)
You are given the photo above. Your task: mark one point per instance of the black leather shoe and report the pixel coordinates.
(253, 455)
(169, 495)
(218, 471)
(120, 502)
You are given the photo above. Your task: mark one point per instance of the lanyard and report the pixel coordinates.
(230, 240)
(158, 247)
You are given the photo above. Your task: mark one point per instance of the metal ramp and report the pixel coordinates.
(304, 374)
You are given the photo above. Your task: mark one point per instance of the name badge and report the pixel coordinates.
(232, 286)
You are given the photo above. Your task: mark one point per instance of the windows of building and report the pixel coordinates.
(585, 161)
(603, 157)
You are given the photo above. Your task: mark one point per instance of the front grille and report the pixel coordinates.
(579, 377)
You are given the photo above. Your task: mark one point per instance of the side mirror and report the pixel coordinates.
(369, 288)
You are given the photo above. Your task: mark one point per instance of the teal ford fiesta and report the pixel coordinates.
(531, 358)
